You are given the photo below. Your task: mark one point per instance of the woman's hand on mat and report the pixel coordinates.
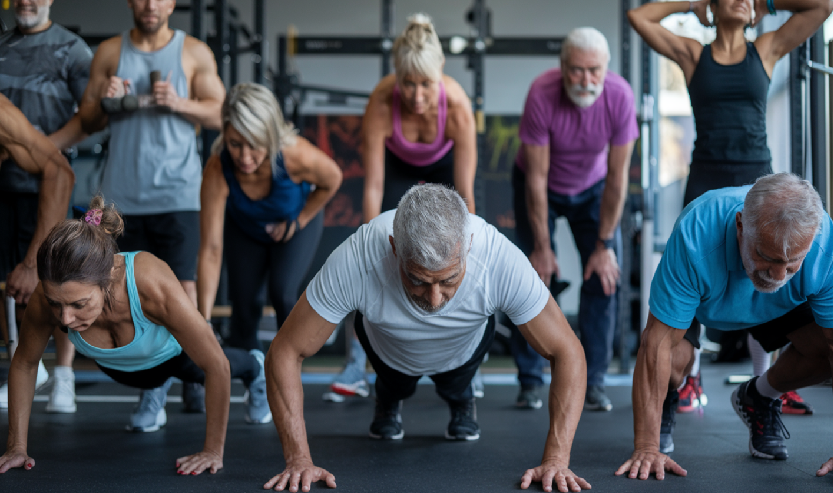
(554, 473)
(298, 476)
(825, 468)
(642, 464)
(197, 463)
(15, 459)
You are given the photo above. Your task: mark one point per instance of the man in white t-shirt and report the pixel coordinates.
(425, 280)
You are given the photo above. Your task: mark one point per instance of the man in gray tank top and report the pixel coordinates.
(44, 70)
(153, 172)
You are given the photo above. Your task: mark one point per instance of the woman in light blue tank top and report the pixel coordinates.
(263, 194)
(129, 313)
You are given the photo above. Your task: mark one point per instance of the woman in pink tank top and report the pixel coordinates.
(418, 126)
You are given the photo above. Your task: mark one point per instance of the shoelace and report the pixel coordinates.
(768, 420)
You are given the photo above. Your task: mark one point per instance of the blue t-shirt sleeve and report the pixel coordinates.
(822, 302)
(675, 289)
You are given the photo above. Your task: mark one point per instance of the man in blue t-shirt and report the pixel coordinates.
(757, 258)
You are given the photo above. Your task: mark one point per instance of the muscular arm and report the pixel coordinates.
(551, 336)
(213, 195)
(301, 336)
(685, 52)
(305, 162)
(22, 376)
(33, 152)
(207, 90)
(537, 173)
(461, 129)
(70, 134)
(166, 303)
(615, 190)
(104, 64)
(808, 16)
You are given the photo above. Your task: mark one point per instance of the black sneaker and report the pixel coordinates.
(528, 399)
(762, 416)
(666, 427)
(463, 425)
(387, 421)
(596, 400)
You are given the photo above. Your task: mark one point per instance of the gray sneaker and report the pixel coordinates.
(596, 400)
(193, 398)
(528, 399)
(668, 421)
(257, 405)
(150, 415)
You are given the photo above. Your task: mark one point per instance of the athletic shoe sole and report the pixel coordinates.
(349, 390)
(263, 420)
(61, 409)
(333, 397)
(149, 429)
(461, 438)
(398, 436)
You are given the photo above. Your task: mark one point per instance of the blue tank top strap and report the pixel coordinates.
(284, 202)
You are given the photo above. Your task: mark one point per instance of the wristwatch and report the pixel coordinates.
(609, 243)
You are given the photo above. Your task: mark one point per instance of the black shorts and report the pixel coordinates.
(773, 334)
(401, 175)
(174, 237)
(18, 219)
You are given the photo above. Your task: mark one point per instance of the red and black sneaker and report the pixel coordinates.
(792, 403)
(763, 418)
(691, 395)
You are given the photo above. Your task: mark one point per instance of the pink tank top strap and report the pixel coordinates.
(418, 153)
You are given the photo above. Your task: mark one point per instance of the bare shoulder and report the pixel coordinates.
(153, 277)
(455, 94)
(38, 313)
(198, 51)
(107, 55)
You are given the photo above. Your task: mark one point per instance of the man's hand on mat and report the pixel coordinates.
(825, 468)
(15, 459)
(549, 473)
(643, 464)
(298, 476)
(197, 463)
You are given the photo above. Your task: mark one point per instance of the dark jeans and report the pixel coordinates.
(242, 364)
(597, 312)
(453, 386)
(251, 264)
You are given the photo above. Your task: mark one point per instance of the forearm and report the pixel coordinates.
(203, 113)
(70, 134)
(613, 201)
(21, 392)
(217, 395)
(800, 5)
(465, 166)
(538, 211)
(650, 387)
(286, 399)
(372, 201)
(654, 12)
(209, 264)
(566, 400)
(315, 203)
(53, 202)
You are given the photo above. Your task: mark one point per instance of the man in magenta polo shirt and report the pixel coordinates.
(577, 132)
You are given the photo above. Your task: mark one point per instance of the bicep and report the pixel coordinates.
(305, 331)
(305, 162)
(800, 26)
(678, 49)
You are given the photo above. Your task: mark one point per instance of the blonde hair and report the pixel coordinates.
(418, 50)
(254, 112)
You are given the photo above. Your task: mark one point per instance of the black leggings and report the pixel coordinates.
(243, 366)
(704, 177)
(251, 263)
(401, 175)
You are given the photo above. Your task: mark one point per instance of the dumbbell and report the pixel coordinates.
(130, 102)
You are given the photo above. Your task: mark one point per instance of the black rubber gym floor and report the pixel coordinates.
(90, 451)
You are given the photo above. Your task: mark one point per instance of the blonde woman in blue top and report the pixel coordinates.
(130, 314)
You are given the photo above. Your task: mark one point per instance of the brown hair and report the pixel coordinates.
(82, 250)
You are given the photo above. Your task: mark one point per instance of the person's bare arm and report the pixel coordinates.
(70, 134)
(683, 51)
(461, 128)
(551, 336)
(34, 152)
(650, 387)
(305, 162)
(375, 126)
(807, 17)
(102, 71)
(23, 373)
(301, 336)
(603, 260)
(213, 196)
(207, 92)
(542, 257)
(164, 302)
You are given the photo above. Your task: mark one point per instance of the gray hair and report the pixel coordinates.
(585, 39)
(254, 112)
(418, 50)
(785, 205)
(429, 228)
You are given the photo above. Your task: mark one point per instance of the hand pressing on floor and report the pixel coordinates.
(300, 473)
(825, 468)
(549, 473)
(14, 458)
(197, 463)
(642, 464)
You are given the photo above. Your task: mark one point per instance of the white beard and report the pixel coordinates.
(578, 94)
(28, 21)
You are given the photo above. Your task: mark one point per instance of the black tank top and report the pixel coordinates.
(729, 105)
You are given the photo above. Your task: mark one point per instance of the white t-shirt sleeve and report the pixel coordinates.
(337, 288)
(515, 287)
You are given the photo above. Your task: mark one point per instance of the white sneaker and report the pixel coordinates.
(62, 397)
(43, 376)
